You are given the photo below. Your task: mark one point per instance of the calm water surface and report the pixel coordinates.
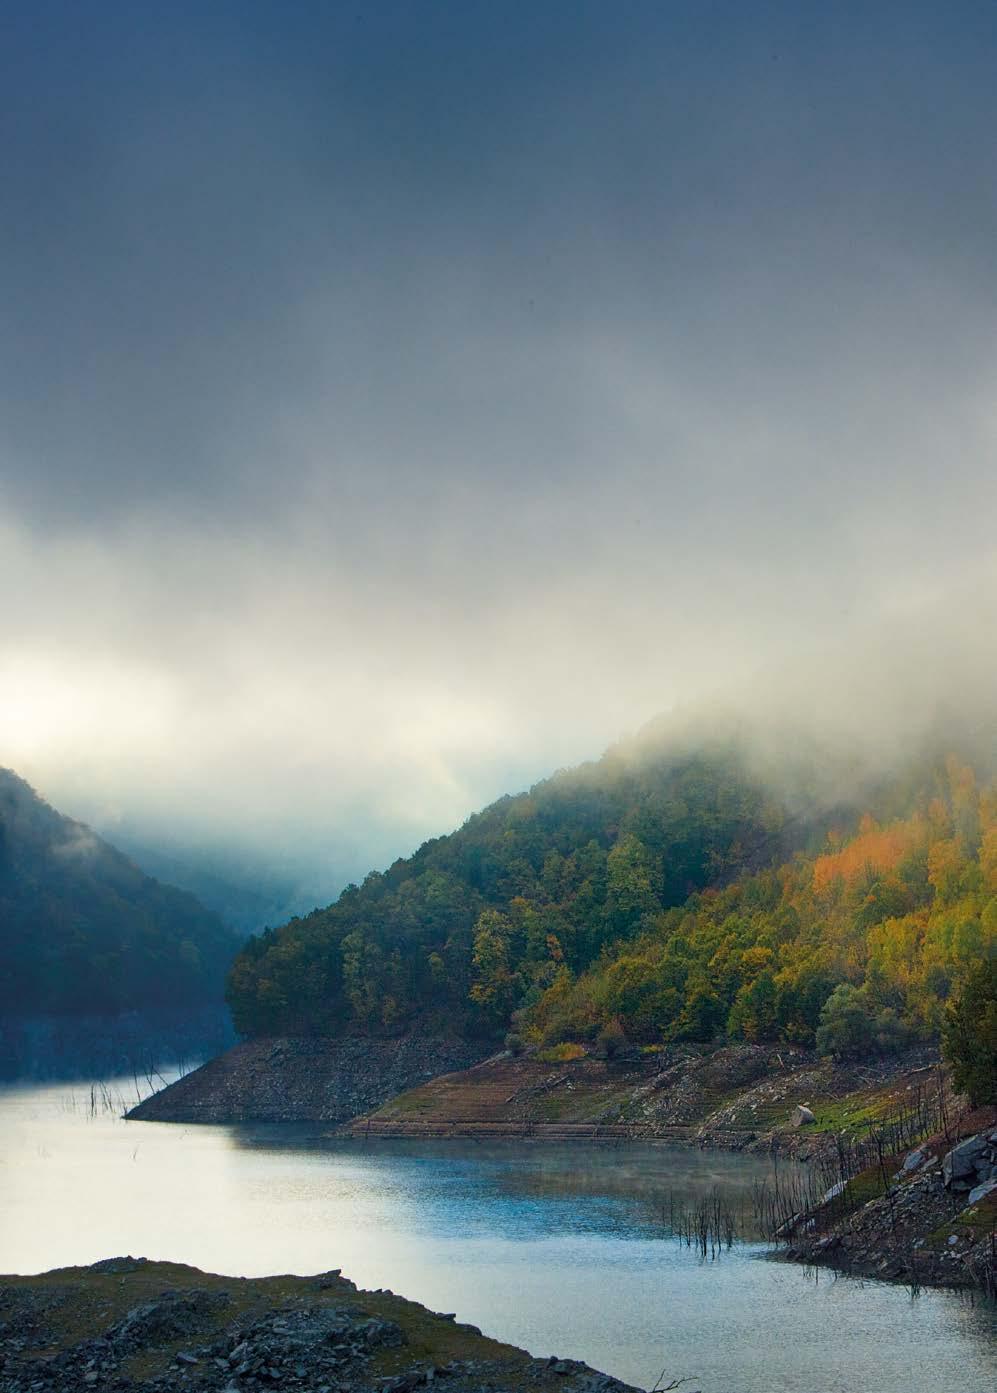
(562, 1250)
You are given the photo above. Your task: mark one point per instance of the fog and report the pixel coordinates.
(400, 402)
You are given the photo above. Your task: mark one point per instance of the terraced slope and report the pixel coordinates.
(742, 1095)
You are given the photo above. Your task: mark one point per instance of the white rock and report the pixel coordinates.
(912, 1160)
(982, 1191)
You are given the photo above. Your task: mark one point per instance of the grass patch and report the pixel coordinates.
(562, 1054)
(866, 1185)
(973, 1223)
(856, 1112)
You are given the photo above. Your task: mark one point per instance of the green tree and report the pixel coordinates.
(630, 887)
(851, 1025)
(969, 1035)
(495, 987)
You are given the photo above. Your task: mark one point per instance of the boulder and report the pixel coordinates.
(960, 1162)
(802, 1116)
(981, 1191)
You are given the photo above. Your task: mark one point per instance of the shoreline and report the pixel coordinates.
(735, 1098)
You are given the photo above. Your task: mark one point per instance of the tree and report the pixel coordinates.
(495, 987)
(702, 1016)
(852, 1026)
(753, 1014)
(630, 893)
(969, 1035)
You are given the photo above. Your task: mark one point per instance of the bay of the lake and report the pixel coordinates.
(563, 1250)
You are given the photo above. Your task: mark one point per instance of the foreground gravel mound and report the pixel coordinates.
(129, 1324)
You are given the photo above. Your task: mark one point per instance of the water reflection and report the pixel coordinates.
(523, 1189)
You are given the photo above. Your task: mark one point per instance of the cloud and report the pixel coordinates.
(395, 408)
(81, 844)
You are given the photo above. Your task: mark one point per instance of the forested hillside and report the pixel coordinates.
(528, 892)
(858, 947)
(657, 894)
(82, 929)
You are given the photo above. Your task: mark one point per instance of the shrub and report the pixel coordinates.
(563, 1053)
(611, 1039)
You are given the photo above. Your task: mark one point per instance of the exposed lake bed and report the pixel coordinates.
(561, 1250)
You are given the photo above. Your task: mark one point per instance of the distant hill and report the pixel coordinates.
(82, 929)
(671, 890)
(245, 895)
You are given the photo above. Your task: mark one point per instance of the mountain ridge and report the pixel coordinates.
(83, 928)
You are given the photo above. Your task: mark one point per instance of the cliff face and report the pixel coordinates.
(304, 1080)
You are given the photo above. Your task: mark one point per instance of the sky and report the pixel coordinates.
(399, 401)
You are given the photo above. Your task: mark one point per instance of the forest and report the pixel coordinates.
(856, 949)
(83, 929)
(661, 893)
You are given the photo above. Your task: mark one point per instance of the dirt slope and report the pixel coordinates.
(303, 1080)
(738, 1096)
(927, 1215)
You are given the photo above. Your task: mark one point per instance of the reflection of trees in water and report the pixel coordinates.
(657, 1180)
(139, 1044)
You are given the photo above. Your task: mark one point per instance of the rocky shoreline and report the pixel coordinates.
(127, 1324)
(925, 1218)
(304, 1079)
(734, 1097)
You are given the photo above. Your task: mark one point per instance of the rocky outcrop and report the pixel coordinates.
(928, 1217)
(971, 1162)
(115, 1326)
(304, 1080)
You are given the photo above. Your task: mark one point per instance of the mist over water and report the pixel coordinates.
(562, 1250)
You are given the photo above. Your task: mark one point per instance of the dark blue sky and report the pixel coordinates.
(398, 400)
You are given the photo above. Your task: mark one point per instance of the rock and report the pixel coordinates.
(118, 1265)
(961, 1161)
(802, 1116)
(913, 1160)
(981, 1191)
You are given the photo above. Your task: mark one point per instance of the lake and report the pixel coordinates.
(563, 1250)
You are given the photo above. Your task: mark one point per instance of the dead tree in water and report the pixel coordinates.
(711, 1225)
